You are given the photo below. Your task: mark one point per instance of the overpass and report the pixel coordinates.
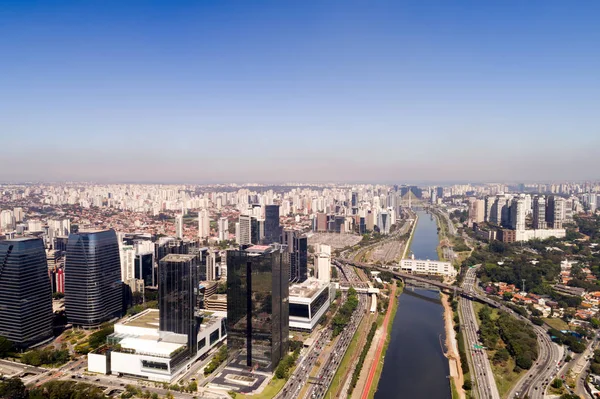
(443, 286)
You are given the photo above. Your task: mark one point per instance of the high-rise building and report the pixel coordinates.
(258, 306)
(384, 222)
(296, 245)
(203, 224)
(272, 227)
(517, 213)
(476, 210)
(323, 262)
(245, 235)
(179, 226)
(555, 212)
(7, 220)
(223, 227)
(93, 287)
(539, 212)
(25, 292)
(177, 285)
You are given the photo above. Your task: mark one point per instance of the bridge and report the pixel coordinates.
(422, 279)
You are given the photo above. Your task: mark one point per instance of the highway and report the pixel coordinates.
(479, 363)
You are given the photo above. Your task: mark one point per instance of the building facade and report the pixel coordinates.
(272, 227)
(258, 306)
(25, 292)
(93, 286)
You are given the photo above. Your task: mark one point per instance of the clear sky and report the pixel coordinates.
(213, 91)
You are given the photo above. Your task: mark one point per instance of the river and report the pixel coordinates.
(415, 366)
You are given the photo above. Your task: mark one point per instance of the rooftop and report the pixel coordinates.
(178, 258)
(146, 319)
(308, 288)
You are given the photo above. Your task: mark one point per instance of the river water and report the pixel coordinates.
(415, 366)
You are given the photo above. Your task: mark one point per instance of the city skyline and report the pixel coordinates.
(380, 92)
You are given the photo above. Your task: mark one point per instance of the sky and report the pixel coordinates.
(269, 91)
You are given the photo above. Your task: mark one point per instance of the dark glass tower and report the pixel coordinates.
(25, 292)
(177, 285)
(297, 248)
(258, 306)
(272, 228)
(93, 287)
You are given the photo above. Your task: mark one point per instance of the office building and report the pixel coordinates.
(309, 301)
(257, 306)
(296, 246)
(417, 266)
(139, 349)
(272, 227)
(323, 262)
(476, 210)
(177, 287)
(93, 287)
(384, 222)
(204, 224)
(245, 230)
(25, 292)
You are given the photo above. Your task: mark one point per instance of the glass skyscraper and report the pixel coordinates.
(93, 287)
(177, 288)
(25, 292)
(297, 248)
(272, 227)
(258, 306)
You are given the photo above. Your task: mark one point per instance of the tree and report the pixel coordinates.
(6, 346)
(557, 383)
(13, 388)
(468, 385)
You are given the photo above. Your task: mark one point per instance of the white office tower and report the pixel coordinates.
(60, 227)
(223, 226)
(517, 213)
(211, 266)
(384, 222)
(7, 220)
(392, 214)
(245, 228)
(179, 226)
(237, 233)
(323, 263)
(34, 225)
(476, 210)
(18, 213)
(203, 223)
(127, 256)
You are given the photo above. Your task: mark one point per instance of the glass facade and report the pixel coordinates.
(25, 292)
(297, 248)
(272, 228)
(93, 287)
(258, 306)
(177, 288)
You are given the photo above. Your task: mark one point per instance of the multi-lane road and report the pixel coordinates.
(479, 363)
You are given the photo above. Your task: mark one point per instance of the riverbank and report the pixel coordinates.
(452, 350)
(410, 238)
(376, 366)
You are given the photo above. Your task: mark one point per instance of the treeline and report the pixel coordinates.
(14, 388)
(48, 356)
(361, 359)
(217, 359)
(95, 340)
(285, 365)
(572, 342)
(342, 317)
(518, 338)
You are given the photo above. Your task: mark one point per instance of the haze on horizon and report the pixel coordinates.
(350, 91)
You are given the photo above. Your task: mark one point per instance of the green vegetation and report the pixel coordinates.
(15, 389)
(46, 357)
(557, 324)
(98, 338)
(141, 307)
(269, 392)
(219, 358)
(362, 357)
(6, 347)
(569, 340)
(342, 317)
(285, 365)
(595, 367)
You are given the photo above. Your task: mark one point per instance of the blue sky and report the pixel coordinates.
(205, 91)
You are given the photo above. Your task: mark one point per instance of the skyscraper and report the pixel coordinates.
(555, 212)
(296, 246)
(257, 305)
(539, 212)
(245, 231)
(25, 292)
(177, 285)
(517, 213)
(223, 227)
(179, 226)
(272, 228)
(93, 287)
(203, 224)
